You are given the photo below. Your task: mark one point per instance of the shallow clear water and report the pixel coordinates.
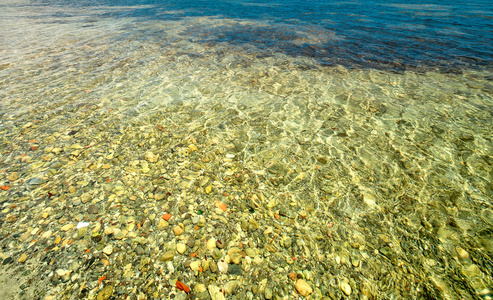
(361, 130)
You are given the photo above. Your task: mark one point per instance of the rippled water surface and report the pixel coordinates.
(351, 143)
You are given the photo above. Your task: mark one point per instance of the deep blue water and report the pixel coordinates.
(397, 35)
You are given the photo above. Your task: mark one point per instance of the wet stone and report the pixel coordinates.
(13, 176)
(303, 287)
(216, 254)
(220, 244)
(387, 251)
(105, 293)
(86, 197)
(8, 260)
(234, 269)
(191, 243)
(168, 256)
(183, 209)
(181, 248)
(36, 181)
(93, 209)
(286, 241)
(139, 250)
(177, 230)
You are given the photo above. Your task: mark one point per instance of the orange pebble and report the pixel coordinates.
(166, 217)
(221, 205)
(101, 279)
(181, 286)
(293, 276)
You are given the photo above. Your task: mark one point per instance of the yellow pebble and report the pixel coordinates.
(23, 258)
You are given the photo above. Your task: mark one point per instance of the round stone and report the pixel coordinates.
(13, 176)
(177, 230)
(222, 266)
(105, 293)
(211, 244)
(22, 258)
(93, 209)
(345, 288)
(108, 250)
(303, 287)
(181, 248)
(287, 241)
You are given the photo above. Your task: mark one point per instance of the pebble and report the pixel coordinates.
(22, 258)
(215, 292)
(13, 176)
(213, 266)
(25, 237)
(86, 197)
(268, 293)
(195, 266)
(181, 248)
(61, 272)
(220, 244)
(191, 242)
(216, 254)
(67, 227)
(139, 250)
(286, 240)
(257, 260)
(200, 288)
(230, 286)
(345, 287)
(7, 260)
(463, 255)
(293, 276)
(222, 266)
(177, 230)
(254, 223)
(234, 269)
(162, 224)
(205, 265)
(211, 244)
(151, 157)
(168, 256)
(105, 293)
(108, 250)
(93, 209)
(303, 287)
(250, 252)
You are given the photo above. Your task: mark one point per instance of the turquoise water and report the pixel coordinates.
(351, 142)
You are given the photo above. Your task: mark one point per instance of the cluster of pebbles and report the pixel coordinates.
(271, 179)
